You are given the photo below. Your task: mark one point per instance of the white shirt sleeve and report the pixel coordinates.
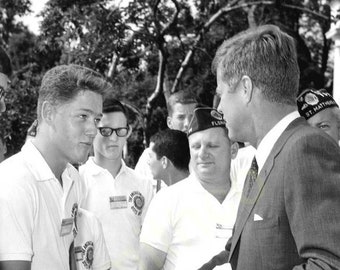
(149, 193)
(17, 211)
(157, 228)
(142, 166)
(101, 260)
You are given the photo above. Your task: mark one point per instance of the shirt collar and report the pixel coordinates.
(95, 169)
(196, 184)
(235, 186)
(267, 143)
(39, 166)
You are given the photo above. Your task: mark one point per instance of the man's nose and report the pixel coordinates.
(203, 152)
(113, 136)
(219, 107)
(187, 122)
(91, 130)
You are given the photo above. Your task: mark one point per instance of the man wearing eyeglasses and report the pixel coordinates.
(115, 193)
(5, 73)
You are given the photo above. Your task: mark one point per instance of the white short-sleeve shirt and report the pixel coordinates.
(240, 165)
(120, 204)
(89, 244)
(189, 224)
(142, 165)
(36, 212)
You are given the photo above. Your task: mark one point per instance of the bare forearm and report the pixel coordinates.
(150, 258)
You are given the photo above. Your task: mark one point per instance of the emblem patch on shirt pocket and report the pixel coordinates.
(84, 254)
(137, 201)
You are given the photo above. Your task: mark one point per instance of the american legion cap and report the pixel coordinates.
(204, 118)
(312, 101)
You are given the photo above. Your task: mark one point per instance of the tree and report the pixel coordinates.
(8, 24)
(149, 49)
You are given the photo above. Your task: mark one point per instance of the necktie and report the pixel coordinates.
(251, 176)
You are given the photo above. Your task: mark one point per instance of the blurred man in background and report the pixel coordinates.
(320, 110)
(169, 156)
(180, 107)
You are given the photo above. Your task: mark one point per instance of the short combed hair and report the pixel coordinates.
(62, 83)
(183, 97)
(5, 63)
(113, 105)
(174, 145)
(265, 54)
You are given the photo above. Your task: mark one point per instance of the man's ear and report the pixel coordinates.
(47, 111)
(169, 122)
(164, 161)
(234, 149)
(247, 87)
(129, 132)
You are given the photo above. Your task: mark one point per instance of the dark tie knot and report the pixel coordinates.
(251, 175)
(254, 167)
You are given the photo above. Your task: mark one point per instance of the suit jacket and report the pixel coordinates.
(297, 194)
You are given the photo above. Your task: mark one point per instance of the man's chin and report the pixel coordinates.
(112, 156)
(204, 173)
(80, 159)
(234, 137)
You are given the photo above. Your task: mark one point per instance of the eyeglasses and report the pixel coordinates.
(107, 131)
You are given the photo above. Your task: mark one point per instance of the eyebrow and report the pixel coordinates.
(89, 111)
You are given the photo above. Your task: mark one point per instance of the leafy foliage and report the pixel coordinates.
(144, 48)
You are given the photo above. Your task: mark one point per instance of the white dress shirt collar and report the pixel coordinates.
(268, 141)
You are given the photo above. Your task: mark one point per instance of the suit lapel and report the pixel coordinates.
(248, 203)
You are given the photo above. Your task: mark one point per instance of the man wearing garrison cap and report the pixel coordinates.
(191, 220)
(320, 110)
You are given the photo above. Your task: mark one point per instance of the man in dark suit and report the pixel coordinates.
(289, 215)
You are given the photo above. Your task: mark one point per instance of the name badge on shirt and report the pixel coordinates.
(118, 202)
(66, 226)
(78, 251)
(223, 231)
